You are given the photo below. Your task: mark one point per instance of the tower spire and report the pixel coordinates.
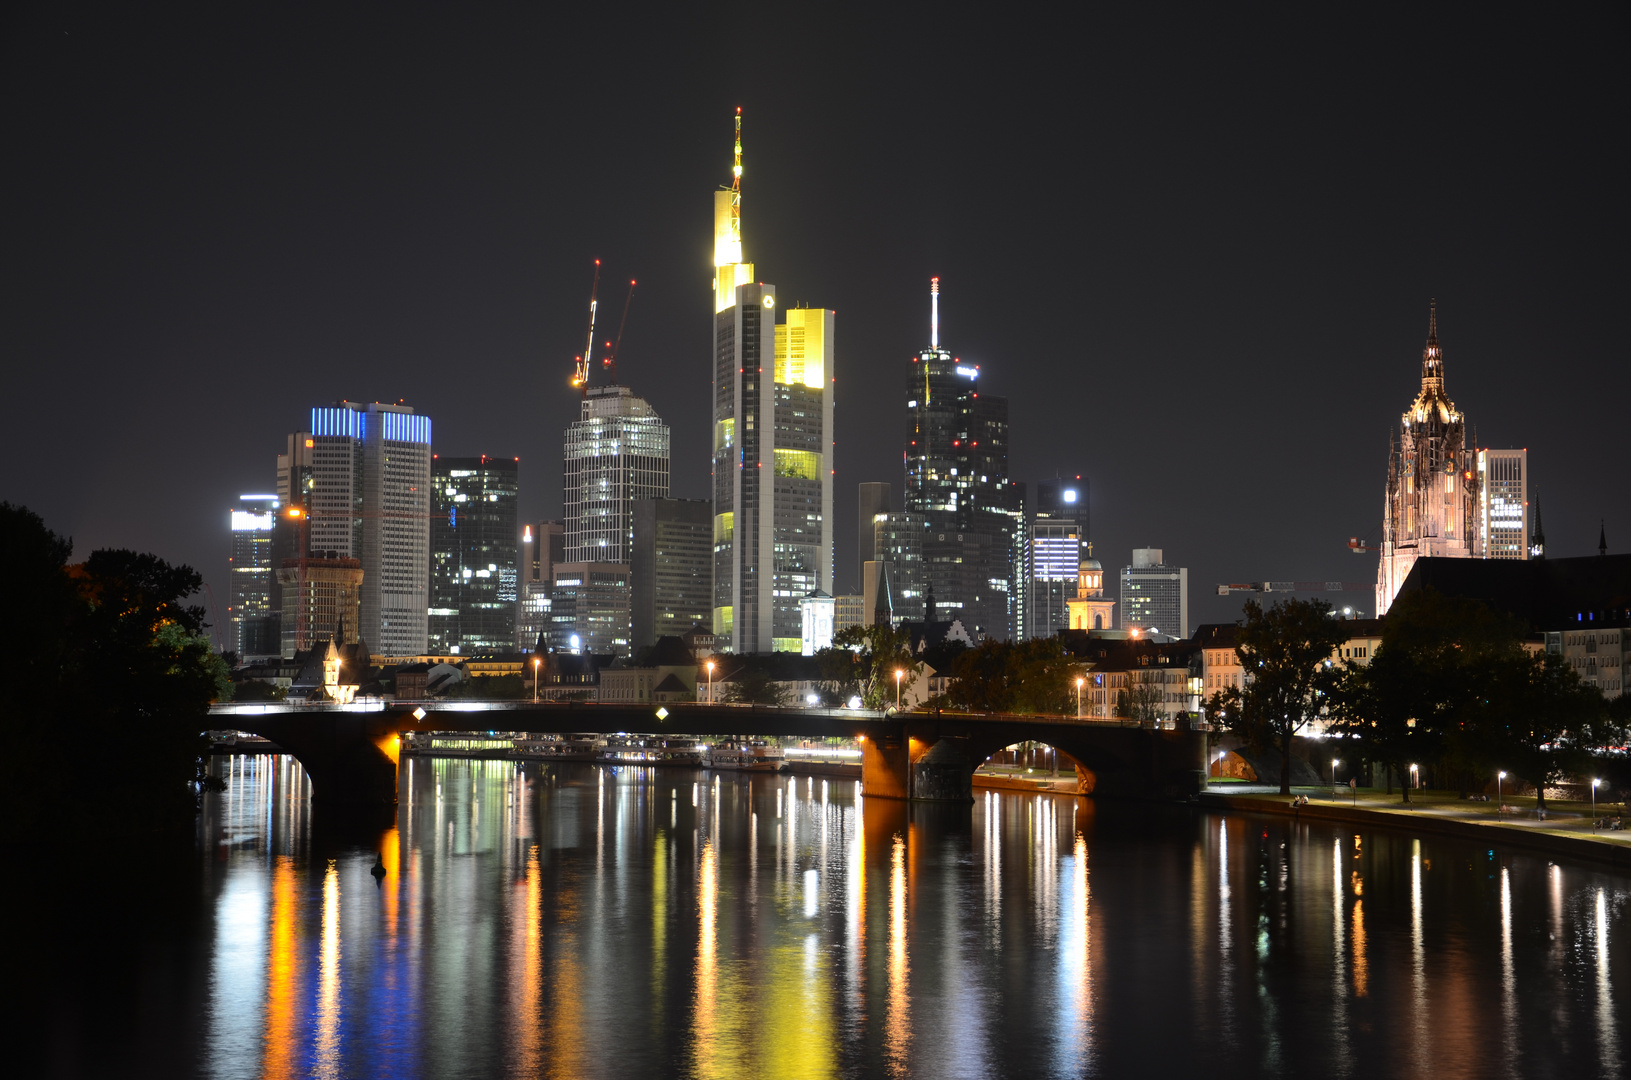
(1537, 534)
(934, 313)
(1432, 357)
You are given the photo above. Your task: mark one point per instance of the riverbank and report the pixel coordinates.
(1566, 830)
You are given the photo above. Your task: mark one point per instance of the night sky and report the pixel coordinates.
(1196, 253)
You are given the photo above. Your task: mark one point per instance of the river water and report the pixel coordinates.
(579, 921)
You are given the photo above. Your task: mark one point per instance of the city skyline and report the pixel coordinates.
(1197, 344)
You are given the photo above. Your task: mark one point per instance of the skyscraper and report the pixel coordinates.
(957, 478)
(616, 453)
(1154, 596)
(897, 542)
(543, 547)
(366, 469)
(1431, 500)
(1058, 544)
(1503, 503)
(473, 571)
(255, 634)
(875, 499)
(772, 448)
(672, 568)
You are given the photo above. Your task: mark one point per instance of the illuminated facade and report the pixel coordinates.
(1057, 544)
(366, 474)
(897, 542)
(1090, 609)
(254, 619)
(772, 448)
(473, 558)
(616, 452)
(543, 545)
(1431, 505)
(956, 459)
(322, 598)
(1503, 503)
(589, 609)
(1154, 596)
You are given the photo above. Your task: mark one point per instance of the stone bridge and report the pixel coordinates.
(351, 752)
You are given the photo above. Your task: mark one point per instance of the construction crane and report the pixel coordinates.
(580, 376)
(1297, 586)
(610, 360)
(1358, 546)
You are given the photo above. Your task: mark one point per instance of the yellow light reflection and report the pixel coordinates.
(280, 1042)
(529, 995)
(897, 1018)
(327, 1047)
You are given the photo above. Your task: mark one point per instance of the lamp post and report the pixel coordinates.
(1333, 776)
(1079, 682)
(710, 667)
(1413, 774)
(535, 680)
(1498, 778)
(899, 674)
(1594, 784)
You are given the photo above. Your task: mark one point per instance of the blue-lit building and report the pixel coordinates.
(366, 468)
(473, 570)
(1053, 557)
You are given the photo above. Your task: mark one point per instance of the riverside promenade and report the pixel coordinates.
(1566, 830)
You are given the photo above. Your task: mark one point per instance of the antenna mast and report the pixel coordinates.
(736, 185)
(610, 362)
(934, 313)
(580, 375)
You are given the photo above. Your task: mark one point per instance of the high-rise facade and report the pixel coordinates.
(672, 568)
(322, 600)
(254, 619)
(874, 499)
(897, 542)
(543, 547)
(366, 473)
(473, 560)
(617, 452)
(1503, 503)
(772, 448)
(1058, 544)
(1154, 596)
(1431, 503)
(957, 477)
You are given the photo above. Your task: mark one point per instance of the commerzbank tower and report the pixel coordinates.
(772, 446)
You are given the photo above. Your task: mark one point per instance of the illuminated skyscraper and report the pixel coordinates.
(1431, 503)
(1058, 544)
(366, 470)
(957, 477)
(473, 572)
(1154, 596)
(251, 586)
(772, 448)
(543, 547)
(1503, 503)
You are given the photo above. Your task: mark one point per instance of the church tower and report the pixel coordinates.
(1431, 503)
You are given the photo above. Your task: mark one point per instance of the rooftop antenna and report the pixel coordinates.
(736, 185)
(580, 375)
(934, 313)
(610, 362)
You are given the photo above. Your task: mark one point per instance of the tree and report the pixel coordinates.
(112, 657)
(1142, 699)
(879, 652)
(1429, 691)
(1014, 677)
(1544, 721)
(1286, 654)
(754, 686)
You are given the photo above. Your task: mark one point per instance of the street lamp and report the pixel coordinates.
(899, 674)
(535, 680)
(710, 666)
(1413, 774)
(1079, 682)
(1333, 775)
(1498, 778)
(1594, 784)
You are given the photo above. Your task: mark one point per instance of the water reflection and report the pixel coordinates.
(576, 922)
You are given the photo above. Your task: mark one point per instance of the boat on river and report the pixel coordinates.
(744, 756)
